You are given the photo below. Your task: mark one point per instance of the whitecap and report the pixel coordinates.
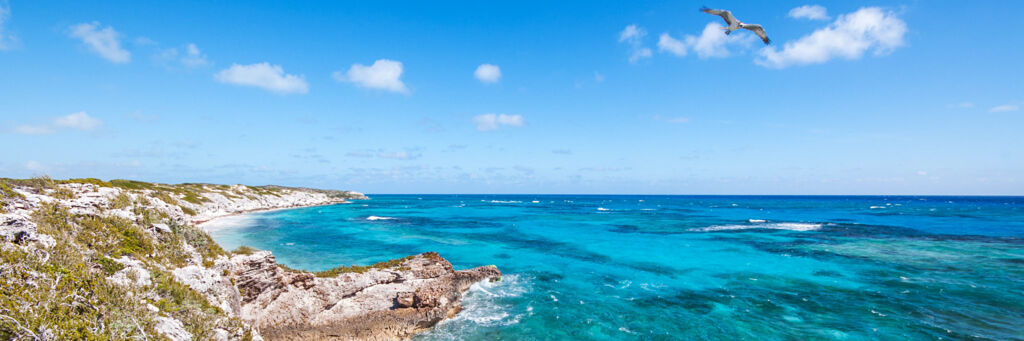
(373, 217)
(754, 221)
(603, 209)
(768, 226)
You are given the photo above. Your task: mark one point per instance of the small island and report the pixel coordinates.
(118, 259)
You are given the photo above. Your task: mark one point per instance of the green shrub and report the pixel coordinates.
(394, 263)
(62, 193)
(132, 184)
(92, 181)
(244, 250)
(121, 200)
(109, 266)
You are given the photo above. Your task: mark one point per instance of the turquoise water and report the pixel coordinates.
(687, 267)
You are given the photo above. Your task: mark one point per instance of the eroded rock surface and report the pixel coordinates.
(378, 304)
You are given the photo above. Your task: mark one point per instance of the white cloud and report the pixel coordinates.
(598, 77)
(714, 43)
(639, 54)
(34, 130)
(193, 57)
(633, 35)
(488, 73)
(7, 40)
(265, 76)
(488, 122)
(400, 155)
(79, 120)
(668, 44)
(851, 35)
(964, 105)
(106, 42)
(812, 12)
(1004, 108)
(384, 74)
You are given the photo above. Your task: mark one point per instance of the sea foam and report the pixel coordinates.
(767, 226)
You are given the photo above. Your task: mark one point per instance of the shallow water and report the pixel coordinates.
(687, 267)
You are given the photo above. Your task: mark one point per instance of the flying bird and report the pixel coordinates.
(735, 24)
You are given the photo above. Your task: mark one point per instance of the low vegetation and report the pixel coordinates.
(334, 272)
(62, 292)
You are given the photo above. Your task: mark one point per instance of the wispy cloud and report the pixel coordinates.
(633, 35)
(1005, 108)
(488, 122)
(848, 37)
(265, 76)
(384, 74)
(77, 121)
(191, 58)
(711, 43)
(34, 130)
(7, 40)
(811, 12)
(106, 42)
(407, 154)
(671, 45)
(487, 73)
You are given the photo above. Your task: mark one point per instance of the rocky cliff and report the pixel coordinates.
(85, 258)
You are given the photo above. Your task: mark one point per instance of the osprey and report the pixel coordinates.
(735, 24)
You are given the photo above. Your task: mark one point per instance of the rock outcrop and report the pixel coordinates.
(379, 304)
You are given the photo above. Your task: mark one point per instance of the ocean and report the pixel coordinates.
(615, 267)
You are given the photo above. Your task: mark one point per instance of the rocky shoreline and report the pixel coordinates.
(141, 240)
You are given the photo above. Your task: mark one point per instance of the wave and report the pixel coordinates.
(603, 209)
(767, 226)
(485, 305)
(504, 201)
(373, 217)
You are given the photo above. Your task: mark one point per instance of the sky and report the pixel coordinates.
(595, 97)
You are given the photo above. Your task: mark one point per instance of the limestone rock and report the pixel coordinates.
(172, 329)
(389, 303)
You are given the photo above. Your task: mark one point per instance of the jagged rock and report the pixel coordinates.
(210, 282)
(19, 229)
(172, 329)
(391, 303)
(161, 228)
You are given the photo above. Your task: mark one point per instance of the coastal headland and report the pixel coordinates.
(121, 259)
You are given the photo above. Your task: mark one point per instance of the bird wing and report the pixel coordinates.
(759, 31)
(729, 19)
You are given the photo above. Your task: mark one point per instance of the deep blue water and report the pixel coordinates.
(687, 267)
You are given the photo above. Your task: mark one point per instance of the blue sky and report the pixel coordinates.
(880, 97)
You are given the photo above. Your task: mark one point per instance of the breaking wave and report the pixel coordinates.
(761, 225)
